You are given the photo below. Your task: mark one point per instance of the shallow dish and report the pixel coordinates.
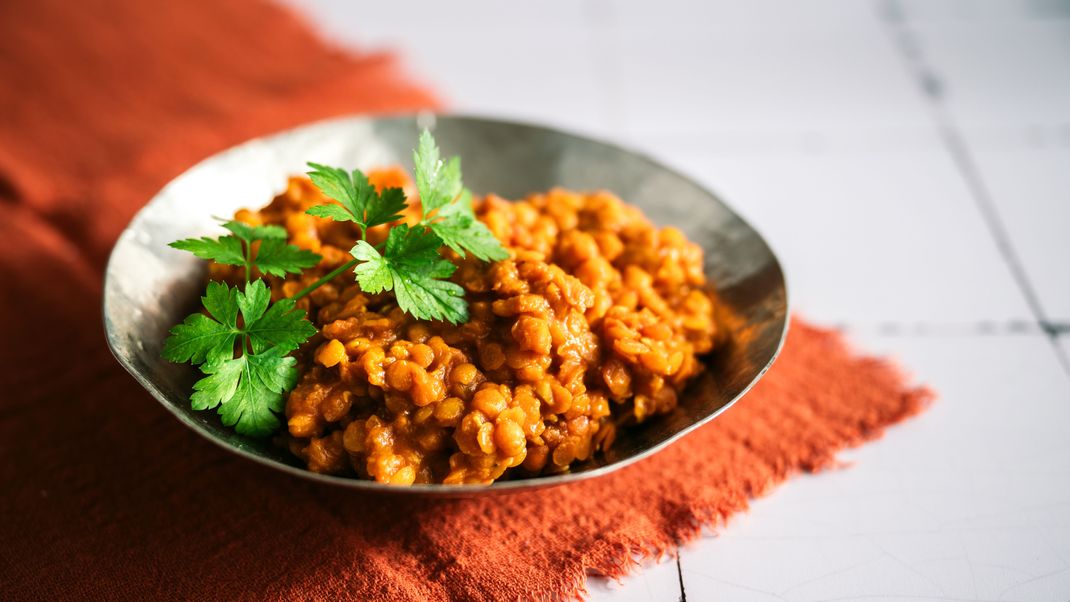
(149, 287)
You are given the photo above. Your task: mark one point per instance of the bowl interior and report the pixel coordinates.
(149, 287)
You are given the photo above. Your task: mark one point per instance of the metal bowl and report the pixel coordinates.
(149, 287)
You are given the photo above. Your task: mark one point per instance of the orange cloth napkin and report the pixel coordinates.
(105, 495)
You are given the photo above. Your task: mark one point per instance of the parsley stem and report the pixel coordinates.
(248, 260)
(315, 285)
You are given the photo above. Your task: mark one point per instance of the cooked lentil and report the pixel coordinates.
(595, 321)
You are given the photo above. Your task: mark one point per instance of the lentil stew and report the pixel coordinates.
(595, 322)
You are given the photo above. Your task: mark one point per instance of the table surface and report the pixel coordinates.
(910, 163)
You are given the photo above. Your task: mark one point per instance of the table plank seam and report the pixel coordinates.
(932, 87)
(680, 575)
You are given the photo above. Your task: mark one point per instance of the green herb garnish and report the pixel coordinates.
(248, 387)
(409, 263)
(273, 257)
(241, 341)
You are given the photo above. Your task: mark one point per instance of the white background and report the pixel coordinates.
(910, 163)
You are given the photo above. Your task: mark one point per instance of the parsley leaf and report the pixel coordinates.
(386, 207)
(460, 230)
(282, 326)
(253, 301)
(447, 205)
(274, 256)
(411, 266)
(415, 250)
(373, 273)
(337, 184)
(438, 182)
(359, 201)
(427, 298)
(225, 249)
(351, 191)
(277, 258)
(200, 338)
(251, 233)
(248, 390)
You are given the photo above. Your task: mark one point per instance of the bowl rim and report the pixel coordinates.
(436, 489)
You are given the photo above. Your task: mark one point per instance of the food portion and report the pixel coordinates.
(473, 341)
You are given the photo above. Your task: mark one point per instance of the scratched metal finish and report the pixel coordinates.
(149, 287)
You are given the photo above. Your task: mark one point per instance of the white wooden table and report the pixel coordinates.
(910, 162)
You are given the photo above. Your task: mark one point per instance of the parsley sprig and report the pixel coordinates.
(273, 256)
(241, 340)
(248, 388)
(409, 263)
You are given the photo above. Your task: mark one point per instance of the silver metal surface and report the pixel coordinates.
(149, 287)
